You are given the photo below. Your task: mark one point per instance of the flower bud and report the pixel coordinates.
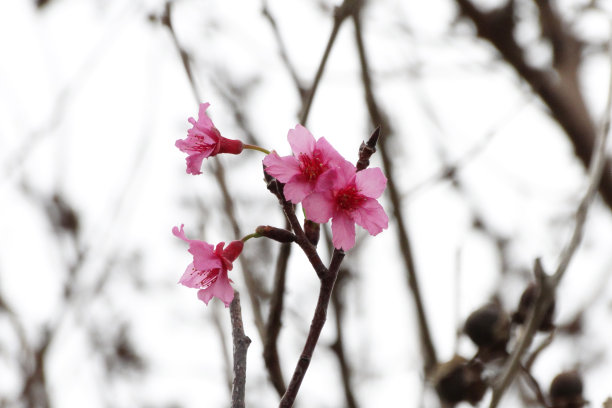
(277, 234)
(488, 327)
(566, 390)
(460, 380)
(312, 231)
(528, 299)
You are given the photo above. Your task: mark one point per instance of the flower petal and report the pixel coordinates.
(221, 288)
(191, 278)
(203, 119)
(297, 189)
(301, 140)
(194, 163)
(371, 182)
(371, 216)
(330, 156)
(282, 168)
(343, 231)
(319, 207)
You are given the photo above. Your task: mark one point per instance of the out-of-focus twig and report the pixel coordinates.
(241, 344)
(429, 352)
(548, 283)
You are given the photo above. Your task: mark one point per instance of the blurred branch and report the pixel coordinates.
(549, 283)
(282, 50)
(561, 93)
(223, 342)
(241, 345)
(377, 118)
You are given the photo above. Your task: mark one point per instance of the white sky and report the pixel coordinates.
(93, 96)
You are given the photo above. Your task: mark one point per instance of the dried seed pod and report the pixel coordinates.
(528, 299)
(460, 380)
(566, 390)
(488, 327)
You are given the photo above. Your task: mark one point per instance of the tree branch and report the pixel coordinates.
(241, 345)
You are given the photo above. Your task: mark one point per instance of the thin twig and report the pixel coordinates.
(378, 119)
(549, 283)
(241, 345)
(318, 321)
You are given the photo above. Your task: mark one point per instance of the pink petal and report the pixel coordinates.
(191, 278)
(204, 258)
(180, 233)
(297, 189)
(203, 118)
(194, 163)
(371, 182)
(330, 156)
(282, 168)
(343, 231)
(301, 140)
(221, 288)
(319, 207)
(371, 216)
(328, 181)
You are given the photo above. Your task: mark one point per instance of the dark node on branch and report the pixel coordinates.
(274, 186)
(277, 234)
(489, 328)
(367, 149)
(566, 390)
(460, 380)
(62, 215)
(312, 231)
(526, 303)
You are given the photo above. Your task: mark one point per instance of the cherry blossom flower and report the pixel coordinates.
(348, 197)
(301, 170)
(208, 271)
(204, 140)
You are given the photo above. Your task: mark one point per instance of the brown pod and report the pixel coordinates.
(488, 327)
(460, 380)
(566, 390)
(528, 299)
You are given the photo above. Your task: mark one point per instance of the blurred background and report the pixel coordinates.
(488, 111)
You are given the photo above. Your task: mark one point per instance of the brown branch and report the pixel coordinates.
(338, 346)
(318, 321)
(274, 323)
(241, 345)
(429, 352)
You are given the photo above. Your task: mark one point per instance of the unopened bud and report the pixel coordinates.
(312, 231)
(277, 234)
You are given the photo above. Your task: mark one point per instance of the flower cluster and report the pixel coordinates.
(315, 175)
(328, 186)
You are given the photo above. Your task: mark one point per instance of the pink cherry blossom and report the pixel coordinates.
(348, 198)
(301, 170)
(208, 271)
(204, 140)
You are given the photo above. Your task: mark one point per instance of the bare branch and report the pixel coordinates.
(241, 345)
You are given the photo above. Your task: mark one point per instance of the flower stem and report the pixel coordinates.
(253, 147)
(253, 235)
